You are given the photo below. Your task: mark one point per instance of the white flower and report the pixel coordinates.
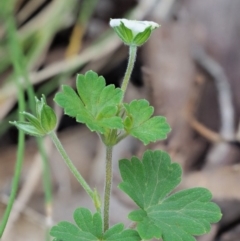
(133, 32)
(134, 25)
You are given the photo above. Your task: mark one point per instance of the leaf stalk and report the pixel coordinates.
(70, 165)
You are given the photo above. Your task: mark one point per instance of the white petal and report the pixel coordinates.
(135, 26)
(152, 24)
(115, 22)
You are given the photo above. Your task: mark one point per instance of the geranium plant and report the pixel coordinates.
(149, 181)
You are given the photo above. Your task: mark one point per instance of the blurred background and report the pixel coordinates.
(188, 70)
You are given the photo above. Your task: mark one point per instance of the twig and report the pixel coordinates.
(204, 131)
(219, 151)
(224, 91)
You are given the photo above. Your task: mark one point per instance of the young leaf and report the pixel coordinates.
(40, 125)
(142, 126)
(95, 105)
(170, 217)
(89, 228)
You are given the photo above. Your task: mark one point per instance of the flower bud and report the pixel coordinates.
(40, 125)
(133, 32)
(46, 115)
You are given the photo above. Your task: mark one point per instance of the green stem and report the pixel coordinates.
(108, 180)
(131, 61)
(71, 165)
(17, 172)
(108, 185)
(16, 60)
(18, 55)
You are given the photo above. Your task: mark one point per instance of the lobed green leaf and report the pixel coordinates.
(69, 100)
(66, 231)
(171, 217)
(95, 105)
(90, 228)
(87, 222)
(139, 123)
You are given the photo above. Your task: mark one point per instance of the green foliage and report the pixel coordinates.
(90, 228)
(95, 105)
(98, 106)
(150, 182)
(171, 217)
(139, 123)
(43, 123)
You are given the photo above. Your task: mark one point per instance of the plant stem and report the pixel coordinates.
(131, 61)
(108, 185)
(70, 165)
(17, 172)
(21, 70)
(16, 60)
(108, 179)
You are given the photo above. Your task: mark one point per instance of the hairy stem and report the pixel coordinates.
(108, 185)
(131, 61)
(108, 179)
(70, 165)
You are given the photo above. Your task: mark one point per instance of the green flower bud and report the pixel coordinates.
(133, 32)
(40, 125)
(48, 118)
